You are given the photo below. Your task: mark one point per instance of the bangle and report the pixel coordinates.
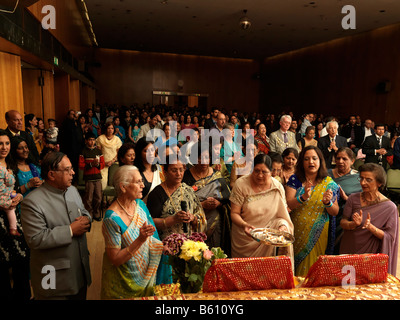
(165, 224)
(26, 187)
(330, 204)
(299, 199)
(127, 249)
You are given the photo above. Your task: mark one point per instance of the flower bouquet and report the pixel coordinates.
(190, 258)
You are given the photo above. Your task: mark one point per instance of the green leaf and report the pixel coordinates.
(193, 277)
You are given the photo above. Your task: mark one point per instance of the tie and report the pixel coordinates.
(380, 146)
(352, 135)
(285, 139)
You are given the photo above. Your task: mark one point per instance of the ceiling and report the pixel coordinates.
(211, 27)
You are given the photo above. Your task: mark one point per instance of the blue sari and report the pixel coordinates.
(138, 276)
(24, 176)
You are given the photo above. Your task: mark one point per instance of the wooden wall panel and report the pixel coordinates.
(127, 77)
(62, 97)
(48, 96)
(32, 92)
(337, 77)
(88, 97)
(11, 95)
(38, 100)
(74, 95)
(70, 30)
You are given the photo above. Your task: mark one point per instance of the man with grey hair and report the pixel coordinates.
(55, 223)
(330, 143)
(283, 138)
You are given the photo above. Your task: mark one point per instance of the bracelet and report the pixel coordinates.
(26, 187)
(127, 249)
(165, 224)
(299, 199)
(330, 204)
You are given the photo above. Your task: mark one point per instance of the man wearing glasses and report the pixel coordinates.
(55, 223)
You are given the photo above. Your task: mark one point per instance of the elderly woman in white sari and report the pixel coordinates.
(258, 201)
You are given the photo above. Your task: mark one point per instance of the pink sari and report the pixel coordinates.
(384, 216)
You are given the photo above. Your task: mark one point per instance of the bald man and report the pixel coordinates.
(15, 128)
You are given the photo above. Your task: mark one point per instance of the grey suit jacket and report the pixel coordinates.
(277, 143)
(46, 215)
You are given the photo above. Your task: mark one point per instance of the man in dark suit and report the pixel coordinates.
(377, 147)
(353, 133)
(330, 143)
(210, 123)
(15, 128)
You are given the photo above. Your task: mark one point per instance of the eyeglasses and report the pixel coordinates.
(367, 180)
(264, 173)
(66, 170)
(139, 182)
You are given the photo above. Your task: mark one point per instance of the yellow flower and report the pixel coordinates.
(192, 249)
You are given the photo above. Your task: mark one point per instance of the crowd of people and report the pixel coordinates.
(321, 179)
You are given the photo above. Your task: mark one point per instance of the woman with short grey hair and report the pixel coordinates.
(370, 220)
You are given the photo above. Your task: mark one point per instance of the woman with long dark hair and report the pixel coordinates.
(312, 197)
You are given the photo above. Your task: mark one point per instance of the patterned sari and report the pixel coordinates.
(218, 220)
(136, 277)
(311, 225)
(185, 194)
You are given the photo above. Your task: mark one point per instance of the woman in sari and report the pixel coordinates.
(109, 144)
(312, 197)
(165, 204)
(258, 201)
(132, 248)
(230, 150)
(347, 180)
(151, 172)
(290, 157)
(28, 174)
(370, 220)
(262, 139)
(213, 192)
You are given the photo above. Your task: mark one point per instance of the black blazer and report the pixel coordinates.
(371, 144)
(324, 143)
(358, 134)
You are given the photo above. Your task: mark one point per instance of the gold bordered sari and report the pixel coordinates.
(136, 277)
(218, 220)
(311, 224)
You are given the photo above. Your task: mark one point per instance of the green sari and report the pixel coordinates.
(136, 277)
(311, 224)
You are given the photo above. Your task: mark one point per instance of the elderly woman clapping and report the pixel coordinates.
(132, 248)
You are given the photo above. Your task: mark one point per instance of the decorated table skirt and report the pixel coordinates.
(389, 290)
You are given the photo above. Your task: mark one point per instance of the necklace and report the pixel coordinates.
(341, 175)
(199, 176)
(169, 195)
(368, 202)
(123, 208)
